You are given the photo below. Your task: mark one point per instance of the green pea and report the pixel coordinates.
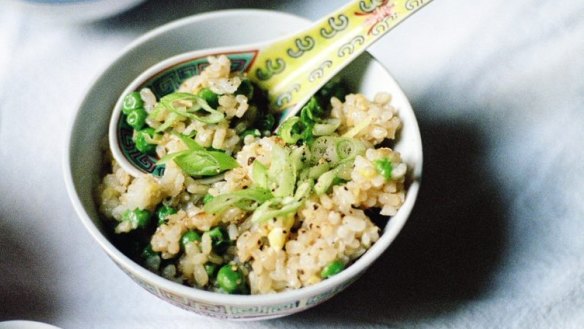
(137, 118)
(163, 212)
(384, 167)
(245, 88)
(141, 138)
(132, 101)
(151, 258)
(209, 96)
(331, 269)
(219, 239)
(230, 279)
(148, 252)
(140, 218)
(190, 236)
(217, 233)
(267, 122)
(207, 198)
(211, 269)
(253, 132)
(333, 88)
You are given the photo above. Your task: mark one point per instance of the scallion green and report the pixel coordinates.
(247, 199)
(205, 163)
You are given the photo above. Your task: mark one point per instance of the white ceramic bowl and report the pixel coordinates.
(75, 10)
(90, 125)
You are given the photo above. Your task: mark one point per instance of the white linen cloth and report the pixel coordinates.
(496, 239)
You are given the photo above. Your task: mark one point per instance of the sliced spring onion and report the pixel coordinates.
(304, 127)
(259, 174)
(209, 96)
(188, 105)
(323, 148)
(287, 130)
(357, 129)
(210, 180)
(197, 161)
(335, 149)
(189, 142)
(340, 173)
(311, 111)
(170, 120)
(325, 181)
(157, 112)
(327, 127)
(279, 207)
(247, 199)
(171, 156)
(315, 171)
(178, 96)
(348, 147)
(213, 117)
(203, 103)
(281, 173)
(298, 157)
(303, 190)
(273, 209)
(151, 137)
(345, 168)
(205, 163)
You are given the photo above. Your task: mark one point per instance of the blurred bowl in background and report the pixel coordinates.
(72, 11)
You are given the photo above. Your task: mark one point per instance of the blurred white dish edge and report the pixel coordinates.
(22, 324)
(74, 11)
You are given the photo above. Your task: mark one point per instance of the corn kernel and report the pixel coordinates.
(367, 173)
(277, 238)
(313, 279)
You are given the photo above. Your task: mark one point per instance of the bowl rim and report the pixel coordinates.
(340, 280)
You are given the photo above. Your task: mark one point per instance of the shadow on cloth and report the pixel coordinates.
(26, 282)
(449, 250)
